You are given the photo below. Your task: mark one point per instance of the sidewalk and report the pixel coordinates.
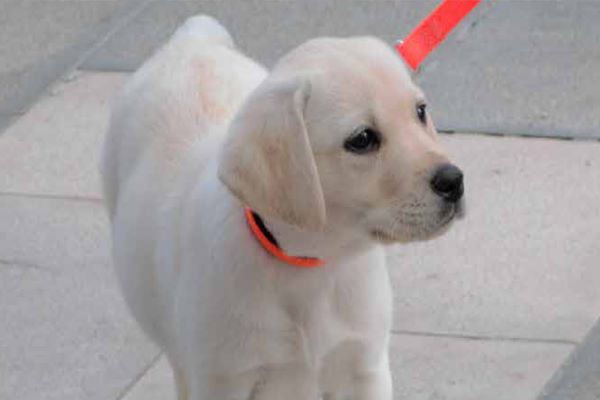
(490, 311)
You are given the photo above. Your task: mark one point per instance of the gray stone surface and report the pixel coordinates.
(524, 261)
(516, 67)
(157, 384)
(4, 122)
(40, 40)
(527, 67)
(426, 368)
(54, 149)
(263, 29)
(64, 330)
(578, 378)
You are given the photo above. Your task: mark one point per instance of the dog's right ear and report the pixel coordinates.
(267, 159)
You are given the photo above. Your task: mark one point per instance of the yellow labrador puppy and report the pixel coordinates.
(249, 209)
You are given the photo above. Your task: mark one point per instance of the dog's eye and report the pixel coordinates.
(422, 113)
(364, 140)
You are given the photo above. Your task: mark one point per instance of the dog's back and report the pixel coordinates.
(166, 124)
(190, 88)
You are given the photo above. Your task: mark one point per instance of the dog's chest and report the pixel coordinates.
(319, 327)
(334, 325)
(328, 321)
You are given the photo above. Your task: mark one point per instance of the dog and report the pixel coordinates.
(250, 210)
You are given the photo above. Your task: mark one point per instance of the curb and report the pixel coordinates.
(579, 376)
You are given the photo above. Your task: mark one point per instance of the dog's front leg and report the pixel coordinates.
(374, 386)
(288, 382)
(372, 383)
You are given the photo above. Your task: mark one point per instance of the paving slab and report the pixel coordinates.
(40, 40)
(54, 233)
(262, 29)
(65, 331)
(426, 368)
(524, 261)
(157, 384)
(526, 68)
(54, 149)
(577, 378)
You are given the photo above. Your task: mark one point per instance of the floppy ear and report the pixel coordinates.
(267, 159)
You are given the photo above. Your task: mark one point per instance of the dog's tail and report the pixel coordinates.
(205, 27)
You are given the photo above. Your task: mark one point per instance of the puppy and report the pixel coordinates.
(249, 209)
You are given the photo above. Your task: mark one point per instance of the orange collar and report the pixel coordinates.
(268, 242)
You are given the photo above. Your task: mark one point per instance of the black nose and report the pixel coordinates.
(447, 182)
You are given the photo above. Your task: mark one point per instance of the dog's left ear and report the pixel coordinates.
(267, 159)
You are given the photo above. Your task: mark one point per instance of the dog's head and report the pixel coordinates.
(339, 134)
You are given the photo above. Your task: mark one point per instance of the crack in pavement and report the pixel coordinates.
(484, 338)
(39, 196)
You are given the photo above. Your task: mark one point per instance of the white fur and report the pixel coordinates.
(235, 322)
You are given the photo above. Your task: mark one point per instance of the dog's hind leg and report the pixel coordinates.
(180, 384)
(199, 386)
(377, 386)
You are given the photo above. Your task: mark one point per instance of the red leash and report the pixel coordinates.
(433, 30)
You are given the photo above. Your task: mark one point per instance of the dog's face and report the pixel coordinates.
(339, 134)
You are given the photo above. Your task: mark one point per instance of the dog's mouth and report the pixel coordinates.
(413, 231)
(383, 237)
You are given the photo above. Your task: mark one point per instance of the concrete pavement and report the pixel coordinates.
(64, 331)
(490, 311)
(520, 67)
(513, 67)
(526, 67)
(578, 377)
(43, 39)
